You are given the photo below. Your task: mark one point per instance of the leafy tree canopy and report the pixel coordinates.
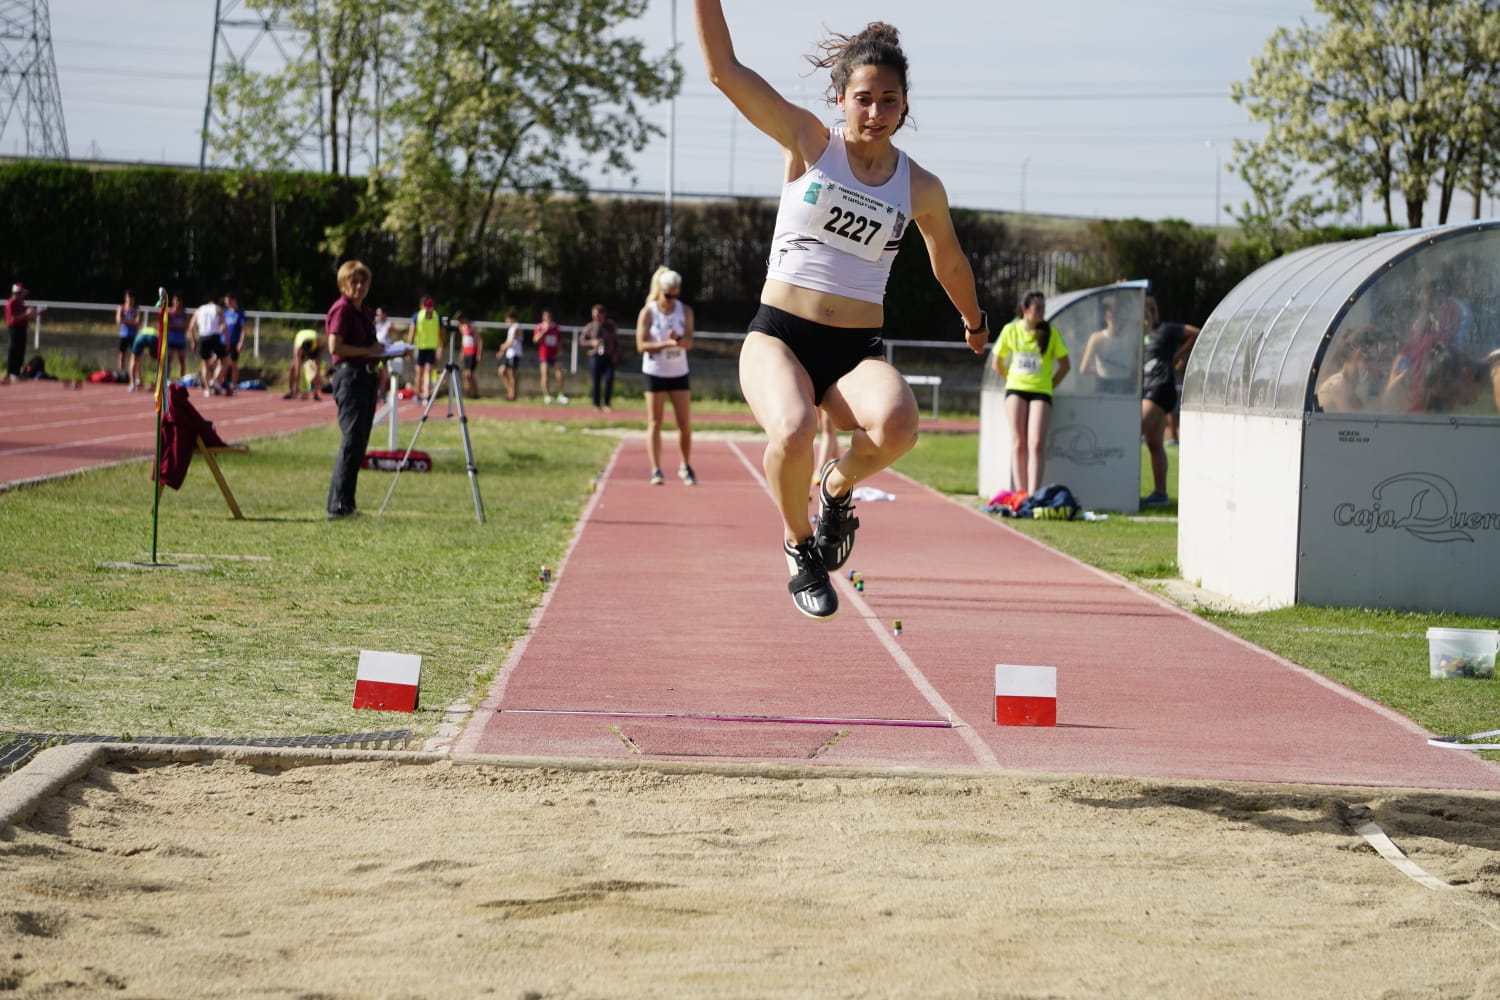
(1395, 98)
(466, 100)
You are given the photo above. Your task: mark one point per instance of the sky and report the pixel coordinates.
(1089, 108)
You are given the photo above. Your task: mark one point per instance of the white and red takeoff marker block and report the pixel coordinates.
(1025, 696)
(387, 681)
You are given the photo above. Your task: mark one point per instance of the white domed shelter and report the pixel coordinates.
(1340, 436)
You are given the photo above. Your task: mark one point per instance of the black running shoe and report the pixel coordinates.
(811, 591)
(836, 523)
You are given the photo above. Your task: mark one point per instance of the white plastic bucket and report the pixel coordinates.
(1462, 652)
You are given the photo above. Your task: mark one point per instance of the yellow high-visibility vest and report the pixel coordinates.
(429, 331)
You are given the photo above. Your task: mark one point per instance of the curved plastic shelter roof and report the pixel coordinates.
(1261, 349)
(1338, 428)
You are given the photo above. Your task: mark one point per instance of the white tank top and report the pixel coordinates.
(672, 362)
(208, 321)
(837, 234)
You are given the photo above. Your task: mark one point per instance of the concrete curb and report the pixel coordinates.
(23, 793)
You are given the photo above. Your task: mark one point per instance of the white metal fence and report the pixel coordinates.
(959, 371)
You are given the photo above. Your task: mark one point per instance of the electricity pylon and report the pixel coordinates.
(239, 32)
(28, 78)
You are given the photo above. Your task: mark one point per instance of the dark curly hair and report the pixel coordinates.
(878, 45)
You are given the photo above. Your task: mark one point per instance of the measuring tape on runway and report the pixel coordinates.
(1377, 839)
(1461, 742)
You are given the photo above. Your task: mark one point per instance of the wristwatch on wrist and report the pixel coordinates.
(984, 323)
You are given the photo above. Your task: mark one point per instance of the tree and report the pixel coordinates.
(1281, 205)
(1183, 262)
(329, 90)
(513, 97)
(481, 97)
(1393, 97)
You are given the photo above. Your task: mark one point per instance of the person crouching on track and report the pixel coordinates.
(306, 352)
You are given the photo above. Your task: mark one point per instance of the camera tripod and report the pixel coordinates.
(452, 378)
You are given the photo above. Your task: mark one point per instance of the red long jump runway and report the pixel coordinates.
(668, 634)
(49, 430)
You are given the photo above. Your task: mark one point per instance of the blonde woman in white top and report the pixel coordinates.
(663, 336)
(848, 196)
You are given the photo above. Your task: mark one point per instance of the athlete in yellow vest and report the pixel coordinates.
(427, 338)
(307, 363)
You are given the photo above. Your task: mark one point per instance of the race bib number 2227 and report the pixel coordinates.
(852, 221)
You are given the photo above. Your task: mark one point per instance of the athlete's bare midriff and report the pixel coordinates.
(823, 307)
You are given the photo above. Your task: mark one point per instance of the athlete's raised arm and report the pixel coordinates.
(797, 130)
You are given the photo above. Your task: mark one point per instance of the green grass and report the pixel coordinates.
(262, 638)
(1381, 654)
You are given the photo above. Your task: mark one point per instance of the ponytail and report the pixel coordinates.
(1043, 332)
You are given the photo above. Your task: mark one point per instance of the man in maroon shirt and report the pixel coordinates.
(355, 351)
(18, 317)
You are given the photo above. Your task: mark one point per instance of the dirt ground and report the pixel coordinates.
(453, 880)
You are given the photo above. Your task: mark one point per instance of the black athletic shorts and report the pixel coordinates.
(1163, 394)
(666, 383)
(1030, 397)
(827, 353)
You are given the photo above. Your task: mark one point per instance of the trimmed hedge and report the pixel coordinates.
(85, 234)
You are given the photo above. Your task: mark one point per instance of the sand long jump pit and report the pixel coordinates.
(134, 871)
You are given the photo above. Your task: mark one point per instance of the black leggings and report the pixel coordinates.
(17, 355)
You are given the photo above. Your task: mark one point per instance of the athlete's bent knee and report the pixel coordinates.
(792, 430)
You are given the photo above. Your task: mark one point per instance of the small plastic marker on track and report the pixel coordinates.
(1025, 696)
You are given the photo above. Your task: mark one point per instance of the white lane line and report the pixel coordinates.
(982, 753)
(147, 432)
(473, 727)
(91, 442)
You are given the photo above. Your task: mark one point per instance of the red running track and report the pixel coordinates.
(668, 629)
(705, 629)
(48, 429)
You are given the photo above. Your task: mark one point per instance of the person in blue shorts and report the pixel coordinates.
(234, 338)
(146, 344)
(128, 320)
(177, 337)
